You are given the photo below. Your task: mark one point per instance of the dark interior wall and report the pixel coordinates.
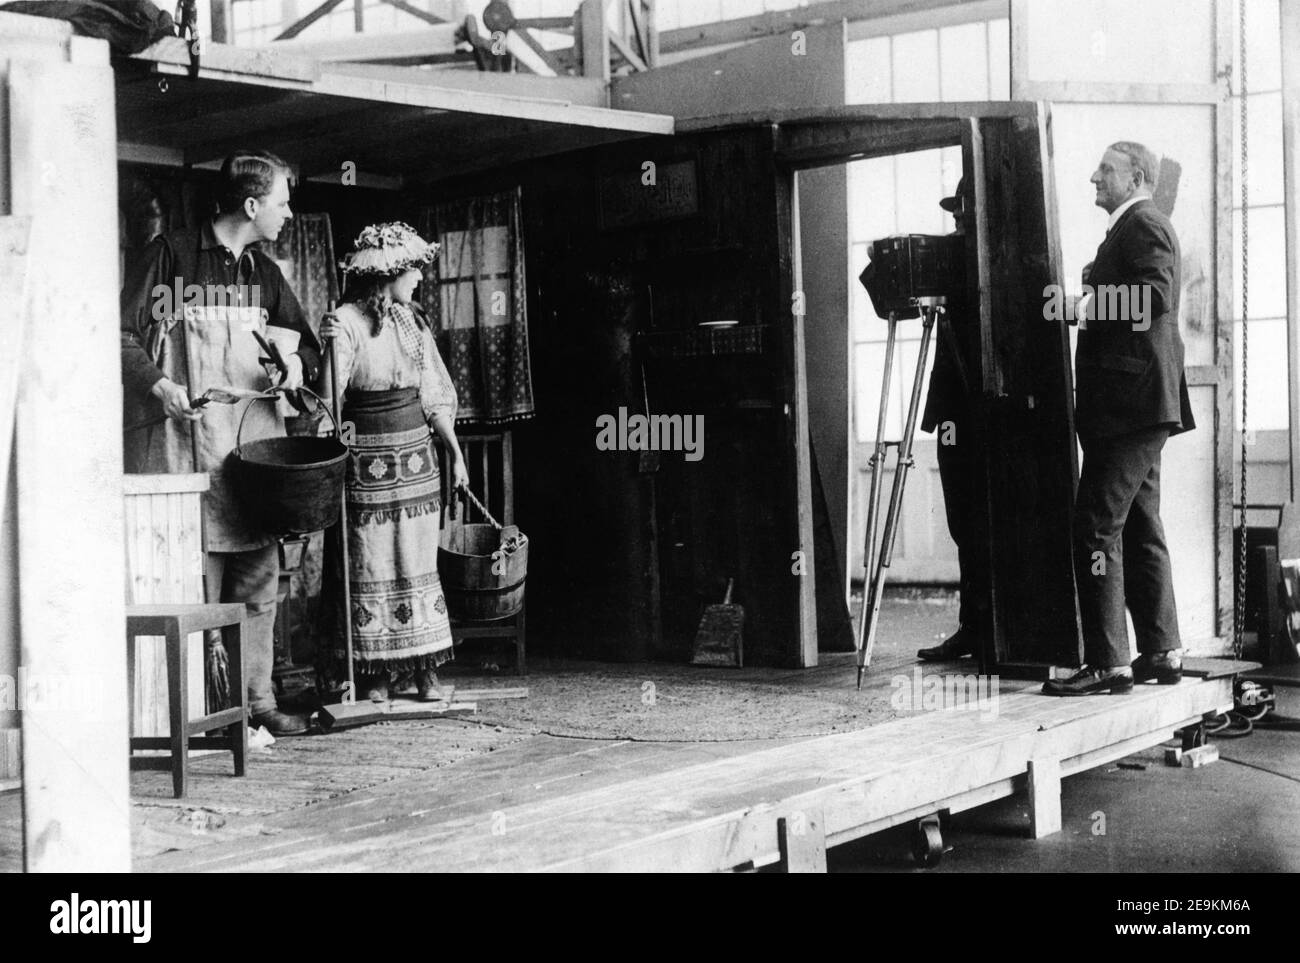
(607, 306)
(790, 72)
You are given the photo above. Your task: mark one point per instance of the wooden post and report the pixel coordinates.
(801, 839)
(652, 34)
(591, 36)
(10, 755)
(68, 452)
(1044, 797)
(221, 24)
(15, 238)
(797, 419)
(1291, 182)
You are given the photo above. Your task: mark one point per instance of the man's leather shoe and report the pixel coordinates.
(1166, 668)
(961, 643)
(279, 723)
(1092, 681)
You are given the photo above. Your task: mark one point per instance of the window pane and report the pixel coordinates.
(1113, 41)
(964, 62)
(916, 66)
(1264, 140)
(864, 320)
(999, 59)
(1268, 376)
(867, 71)
(1264, 45)
(1183, 134)
(920, 188)
(1267, 228)
(872, 193)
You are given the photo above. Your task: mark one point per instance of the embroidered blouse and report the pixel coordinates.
(377, 362)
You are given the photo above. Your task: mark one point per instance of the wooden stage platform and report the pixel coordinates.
(719, 808)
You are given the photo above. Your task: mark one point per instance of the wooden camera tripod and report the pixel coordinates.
(877, 561)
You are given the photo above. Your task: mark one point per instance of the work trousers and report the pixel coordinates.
(252, 578)
(960, 469)
(1120, 554)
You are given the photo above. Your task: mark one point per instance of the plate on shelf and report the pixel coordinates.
(718, 324)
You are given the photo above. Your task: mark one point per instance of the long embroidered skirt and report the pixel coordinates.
(399, 615)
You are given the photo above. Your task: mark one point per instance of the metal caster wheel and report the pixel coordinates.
(927, 842)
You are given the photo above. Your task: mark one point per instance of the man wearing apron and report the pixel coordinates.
(190, 307)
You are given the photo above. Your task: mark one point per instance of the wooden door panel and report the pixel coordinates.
(1026, 409)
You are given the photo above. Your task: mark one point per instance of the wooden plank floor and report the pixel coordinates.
(646, 807)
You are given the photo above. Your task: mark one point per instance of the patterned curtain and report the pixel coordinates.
(305, 253)
(474, 295)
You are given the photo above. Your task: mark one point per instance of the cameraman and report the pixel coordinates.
(948, 407)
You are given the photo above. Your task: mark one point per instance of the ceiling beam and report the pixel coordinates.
(783, 21)
(276, 62)
(528, 52)
(428, 41)
(298, 26)
(291, 139)
(163, 121)
(586, 91)
(424, 15)
(262, 68)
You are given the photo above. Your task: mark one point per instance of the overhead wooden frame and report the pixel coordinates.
(1025, 375)
(774, 22)
(807, 139)
(390, 123)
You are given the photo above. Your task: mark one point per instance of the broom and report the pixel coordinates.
(720, 638)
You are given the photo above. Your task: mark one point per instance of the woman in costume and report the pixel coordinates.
(396, 392)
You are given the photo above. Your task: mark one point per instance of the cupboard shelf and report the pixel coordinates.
(744, 339)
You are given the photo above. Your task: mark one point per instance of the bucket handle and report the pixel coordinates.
(480, 506)
(275, 396)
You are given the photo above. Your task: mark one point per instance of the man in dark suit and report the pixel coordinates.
(1130, 396)
(948, 409)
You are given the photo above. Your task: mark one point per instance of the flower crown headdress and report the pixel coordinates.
(385, 249)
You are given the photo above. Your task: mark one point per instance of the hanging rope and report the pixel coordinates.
(1239, 609)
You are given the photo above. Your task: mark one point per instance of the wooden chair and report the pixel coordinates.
(175, 622)
(489, 459)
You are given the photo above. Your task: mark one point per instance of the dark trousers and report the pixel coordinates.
(959, 474)
(1119, 549)
(251, 577)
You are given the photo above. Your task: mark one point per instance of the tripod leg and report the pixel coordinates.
(872, 611)
(877, 479)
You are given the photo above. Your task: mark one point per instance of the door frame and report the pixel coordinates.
(812, 138)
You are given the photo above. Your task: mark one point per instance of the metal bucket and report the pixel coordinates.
(474, 591)
(291, 485)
